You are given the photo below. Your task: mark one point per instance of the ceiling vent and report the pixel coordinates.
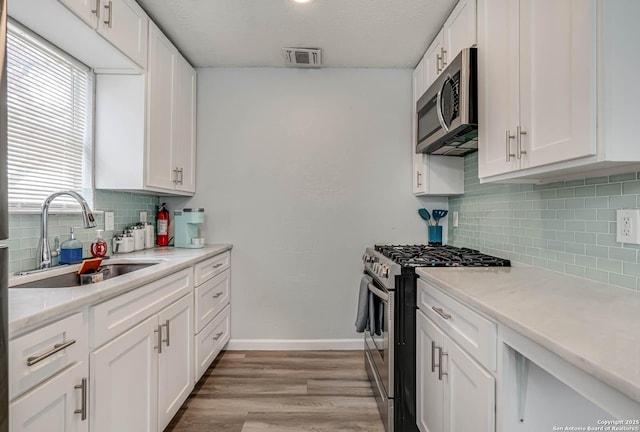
(302, 57)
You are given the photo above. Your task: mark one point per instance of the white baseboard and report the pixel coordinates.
(294, 344)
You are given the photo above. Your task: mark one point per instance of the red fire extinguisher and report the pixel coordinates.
(163, 225)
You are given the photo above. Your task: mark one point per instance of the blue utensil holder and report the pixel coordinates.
(435, 235)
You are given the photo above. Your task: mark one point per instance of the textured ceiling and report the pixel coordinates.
(351, 33)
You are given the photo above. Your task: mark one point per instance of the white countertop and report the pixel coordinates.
(31, 306)
(592, 325)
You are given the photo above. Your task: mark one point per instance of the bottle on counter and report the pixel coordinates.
(98, 246)
(71, 250)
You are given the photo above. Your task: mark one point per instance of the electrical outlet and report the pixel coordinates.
(109, 221)
(628, 226)
(143, 216)
(454, 219)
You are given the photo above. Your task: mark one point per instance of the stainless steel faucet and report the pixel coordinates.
(43, 257)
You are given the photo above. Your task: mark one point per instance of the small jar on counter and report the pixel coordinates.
(123, 243)
(138, 236)
(149, 235)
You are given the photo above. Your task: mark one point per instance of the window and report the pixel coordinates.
(49, 108)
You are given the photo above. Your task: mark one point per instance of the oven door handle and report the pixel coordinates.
(378, 292)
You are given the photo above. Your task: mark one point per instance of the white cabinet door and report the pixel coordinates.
(429, 389)
(459, 29)
(498, 86)
(125, 25)
(469, 392)
(557, 80)
(175, 371)
(162, 67)
(124, 381)
(84, 9)
(52, 406)
(433, 61)
(184, 132)
(419, 174)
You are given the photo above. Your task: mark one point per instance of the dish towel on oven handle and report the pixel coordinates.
(362, 315)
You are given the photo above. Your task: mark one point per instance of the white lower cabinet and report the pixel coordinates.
(175, 369)
(455, 349)
(57, 405)
(140, 379)
(124, 381)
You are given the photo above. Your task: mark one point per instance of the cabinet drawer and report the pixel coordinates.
(211, 340)
(476, 334)
(207, 269)
(211, 297)
(121, 313)
(42, 353)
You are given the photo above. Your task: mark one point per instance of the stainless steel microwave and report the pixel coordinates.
(447, 113)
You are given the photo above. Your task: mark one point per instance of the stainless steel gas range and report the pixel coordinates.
(390, 351)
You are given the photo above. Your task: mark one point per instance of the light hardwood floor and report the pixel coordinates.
(282, 391)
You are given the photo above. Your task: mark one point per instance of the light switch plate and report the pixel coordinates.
(454, 219)
(109, 224)
(628, 226)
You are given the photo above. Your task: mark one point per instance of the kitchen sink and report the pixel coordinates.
(70, 279)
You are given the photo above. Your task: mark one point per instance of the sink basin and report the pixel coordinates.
(70, 279)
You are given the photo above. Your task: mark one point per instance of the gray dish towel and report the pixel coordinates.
(362, 315)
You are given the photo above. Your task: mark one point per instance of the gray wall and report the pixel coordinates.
(301, 170)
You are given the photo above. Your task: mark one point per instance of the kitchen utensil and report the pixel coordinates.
(89, 265)
(439, 214)
(424, 214)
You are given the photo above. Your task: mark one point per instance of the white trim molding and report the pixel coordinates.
(295, 344)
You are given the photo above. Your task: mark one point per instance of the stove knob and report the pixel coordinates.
(385, 272)
(375, 268)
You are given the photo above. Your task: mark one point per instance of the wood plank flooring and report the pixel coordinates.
(282, 391)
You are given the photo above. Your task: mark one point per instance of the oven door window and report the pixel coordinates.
(378, 323)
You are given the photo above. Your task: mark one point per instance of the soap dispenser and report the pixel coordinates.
(71, 250)
(98, 246)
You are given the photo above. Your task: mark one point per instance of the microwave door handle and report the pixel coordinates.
(439, 106)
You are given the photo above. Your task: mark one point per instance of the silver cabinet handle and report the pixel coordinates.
(508, 139)
(218, 265)
(175, 175)
(418, 174)
(83, 407)
(440, 364)
(433, 356)
(159, 346)
(109, 7)
(438, 61)
(441, 312)
(97, 9)
(181, 172)
(56, 348)
(166, 325)
(444, 62)
(217, 336)
(519, 151)
(218, 294)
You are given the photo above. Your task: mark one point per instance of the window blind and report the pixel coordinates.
(49, 116)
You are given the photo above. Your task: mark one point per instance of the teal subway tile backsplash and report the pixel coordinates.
(24, 229)
(564, 226)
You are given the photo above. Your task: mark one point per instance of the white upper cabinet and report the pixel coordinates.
(441, 175)
(87, 10)
(145, 125)
(551, 82)
(540, 109)
(124, 24)
(107, 35)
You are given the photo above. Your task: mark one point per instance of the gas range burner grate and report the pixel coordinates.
(439, 256)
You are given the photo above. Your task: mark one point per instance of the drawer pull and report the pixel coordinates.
(441, 312)
(83, 408)
(218, 265)
(166, 325)
(159, 346)
(217, 336)
(433, 357)
(218, 294)
(440, 364)
(109, 7)
(56, 348)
